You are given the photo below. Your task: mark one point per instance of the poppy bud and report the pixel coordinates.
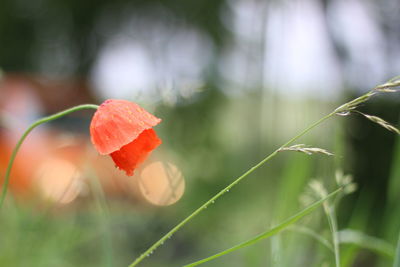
(123, 130)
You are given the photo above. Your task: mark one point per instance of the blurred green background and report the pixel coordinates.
(232, 80)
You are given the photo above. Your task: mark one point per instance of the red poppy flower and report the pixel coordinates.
(124, 131)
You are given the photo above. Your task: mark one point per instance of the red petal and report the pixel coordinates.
(117, 123)
(134, 153)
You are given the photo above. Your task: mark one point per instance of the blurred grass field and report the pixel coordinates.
(211, 150)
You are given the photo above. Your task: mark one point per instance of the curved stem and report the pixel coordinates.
(25, 134)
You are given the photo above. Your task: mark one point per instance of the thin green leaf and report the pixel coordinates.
(396, 262)
(311, 233)
(331, 215)
(367, 242)
(270, 232)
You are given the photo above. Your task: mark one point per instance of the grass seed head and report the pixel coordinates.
(307, 150)
(381, 122)
(393, 85)
(346, 181)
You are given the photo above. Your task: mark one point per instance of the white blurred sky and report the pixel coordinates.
(282, 46)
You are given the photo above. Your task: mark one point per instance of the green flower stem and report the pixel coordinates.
(342, 108)
(275, 230)
(25, 134)
(331, 215)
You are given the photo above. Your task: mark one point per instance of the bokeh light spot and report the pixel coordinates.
(161, 183)
(59, 181)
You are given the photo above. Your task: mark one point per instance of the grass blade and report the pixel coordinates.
(331, 215)
(270, 232)
(365, 241)
(397, 256)
(311, 233)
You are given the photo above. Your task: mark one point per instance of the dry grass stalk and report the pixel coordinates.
(307, 150)
(346, 108)
(381, 122)
(391, 86)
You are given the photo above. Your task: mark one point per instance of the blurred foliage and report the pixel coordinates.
(28, 29)
(213, 137)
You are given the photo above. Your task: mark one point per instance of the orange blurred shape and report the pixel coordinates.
(19, 182)
(57, 168)
(32, 151)
(46, 164)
